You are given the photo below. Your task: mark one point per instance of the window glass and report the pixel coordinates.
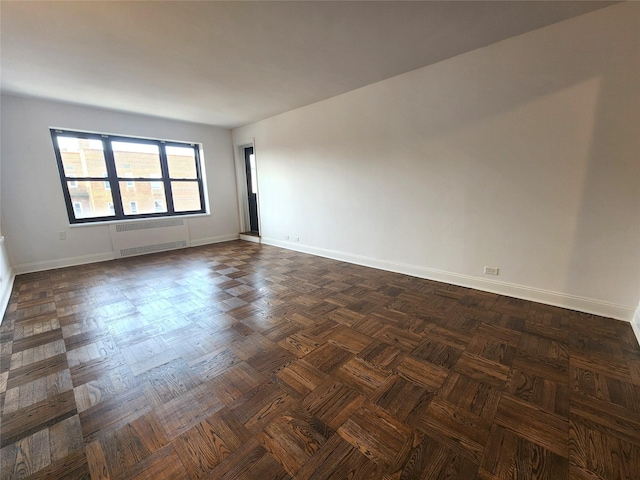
(144, 195)
(90, 199)
(182, 162)
(186, 197)
(82, 157)
(136, 160)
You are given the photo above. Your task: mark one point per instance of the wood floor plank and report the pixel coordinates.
(534, 424)
(242, 361)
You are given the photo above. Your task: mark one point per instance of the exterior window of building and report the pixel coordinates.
(129, 182)
(144, 178)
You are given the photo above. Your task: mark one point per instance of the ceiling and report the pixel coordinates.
(233, 63)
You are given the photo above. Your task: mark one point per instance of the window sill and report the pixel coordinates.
(135, 220)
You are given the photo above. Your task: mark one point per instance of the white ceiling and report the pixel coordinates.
(233, 63)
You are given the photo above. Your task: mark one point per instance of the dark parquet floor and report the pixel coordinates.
(241, 361)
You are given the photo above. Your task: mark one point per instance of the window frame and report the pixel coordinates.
(114, 180)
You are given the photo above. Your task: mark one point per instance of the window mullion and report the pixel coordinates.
(168, 192)
(196, 155)
(63, 177)
(112, 175)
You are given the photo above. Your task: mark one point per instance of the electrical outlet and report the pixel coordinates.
(62, 235)
(286, 237)
(491, 270)
(296, 239)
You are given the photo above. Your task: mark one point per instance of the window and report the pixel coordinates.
(108, 177)
(129, 182)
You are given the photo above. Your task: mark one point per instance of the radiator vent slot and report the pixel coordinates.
(160, 247)
(169, 222)
(150, 236)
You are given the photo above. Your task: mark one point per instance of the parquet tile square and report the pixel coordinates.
(299, 378)
(399, 396)
(244, 361)
(594, 454)
(376, 433)
(436, 352)
(337, 459)
(333, 402)
(328, 357)
(472, 395)
(431, 460)
(294, 438)
(534, 424)
(458, 429)
(208, 443)
(508, 455)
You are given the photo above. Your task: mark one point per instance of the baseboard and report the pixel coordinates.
(6, 295)
(100, 257)
(250, 238)
(61, 263)
(547, 297)
(219, 239)
(635, 323)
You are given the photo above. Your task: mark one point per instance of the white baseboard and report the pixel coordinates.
(539, 295)
(635, 323)
(250, 238)
(61, 263)
(209, 240)
(7, 287)
(99, 257)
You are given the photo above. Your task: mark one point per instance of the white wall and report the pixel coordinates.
(521, 155)
(33, 209)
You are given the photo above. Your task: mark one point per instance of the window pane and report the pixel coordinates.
(186, 197)
(142, 198)
(81, 157)
(182, 162)
(136, 160)
(90, 199)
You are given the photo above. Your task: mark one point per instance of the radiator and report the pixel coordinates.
(139, 238)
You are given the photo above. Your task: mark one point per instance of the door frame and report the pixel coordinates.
(241, 184)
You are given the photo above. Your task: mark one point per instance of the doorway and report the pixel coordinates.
(252, 188)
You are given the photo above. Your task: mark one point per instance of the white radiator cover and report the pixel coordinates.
(149, 236)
